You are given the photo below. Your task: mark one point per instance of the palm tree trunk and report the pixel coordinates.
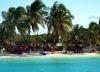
(28, 36)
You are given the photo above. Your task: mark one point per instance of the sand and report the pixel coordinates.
(56, 55)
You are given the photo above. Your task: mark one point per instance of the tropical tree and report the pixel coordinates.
(15, 18)
(94, 32)
(37, 15)
(3, 33)
(21, 21)
(8, 23)
(59, 22)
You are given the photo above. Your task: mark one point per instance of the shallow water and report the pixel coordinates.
(76, 64)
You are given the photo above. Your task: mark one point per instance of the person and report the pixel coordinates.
(2, 50)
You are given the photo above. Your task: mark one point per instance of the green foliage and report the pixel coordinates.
(58, 22)
(37, 15)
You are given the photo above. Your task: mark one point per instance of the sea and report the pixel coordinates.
(59, 64)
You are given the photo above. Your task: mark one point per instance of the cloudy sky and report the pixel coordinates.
(84, 11)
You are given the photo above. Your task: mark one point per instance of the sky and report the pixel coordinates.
(84, 11)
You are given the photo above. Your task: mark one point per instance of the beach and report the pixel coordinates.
(56, 55)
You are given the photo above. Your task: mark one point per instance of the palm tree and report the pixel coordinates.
(59, 21)
(28, 21)
(37, 15)
(75, 33)
(8, 22)
(15, 18)
(21, 21)
(3, 33)
(93, 29)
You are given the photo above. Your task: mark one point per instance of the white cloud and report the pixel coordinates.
(93, 17)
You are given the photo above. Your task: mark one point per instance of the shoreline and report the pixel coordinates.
(56, 55)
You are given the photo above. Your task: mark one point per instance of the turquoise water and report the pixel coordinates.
(80, 64)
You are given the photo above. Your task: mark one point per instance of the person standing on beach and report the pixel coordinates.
(3, 51)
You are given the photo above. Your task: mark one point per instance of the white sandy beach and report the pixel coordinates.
(56, 55)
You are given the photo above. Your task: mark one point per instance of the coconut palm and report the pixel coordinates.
(8, 23)
(28, 21)
(37, 15)
(15, 18)
(94, 30)
(21, 21)
(3, 33)
(59, 21)
(91, 29)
